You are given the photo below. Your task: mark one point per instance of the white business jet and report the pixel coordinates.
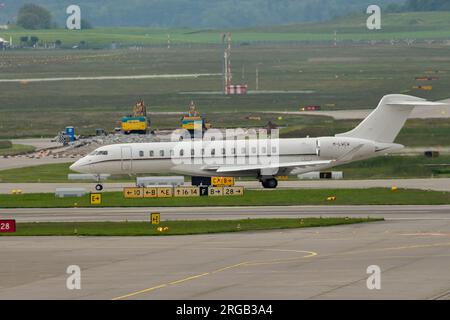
(264, 159)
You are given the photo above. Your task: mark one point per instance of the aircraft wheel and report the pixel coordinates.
(270, 183)
(99, 187)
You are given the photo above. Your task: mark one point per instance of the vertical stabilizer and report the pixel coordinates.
(386, 121)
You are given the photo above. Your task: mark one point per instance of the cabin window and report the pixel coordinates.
(263, 150)
(223, 151)
(274, 150)
(172, 153)
(152, 153)
(253, 149)
(181, 152)
(192, 152)
(213, 152)
(243, 151)
(203, 152)
(161, 153)
(141, 153)
(233, 151)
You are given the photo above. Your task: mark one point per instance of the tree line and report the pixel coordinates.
(190, 13)
(207, 13)
(420, 5)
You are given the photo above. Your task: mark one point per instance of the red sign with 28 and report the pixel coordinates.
(7, 226)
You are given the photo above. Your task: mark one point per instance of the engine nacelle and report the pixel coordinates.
(344, 149)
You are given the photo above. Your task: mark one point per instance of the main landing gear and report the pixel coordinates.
(269, 183)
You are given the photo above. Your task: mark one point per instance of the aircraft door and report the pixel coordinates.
(127, 159)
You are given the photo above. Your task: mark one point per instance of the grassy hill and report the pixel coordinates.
(399, 26)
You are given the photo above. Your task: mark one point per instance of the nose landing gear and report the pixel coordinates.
(99, 186)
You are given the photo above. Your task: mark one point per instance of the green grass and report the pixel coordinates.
(56, 172)
(371, 72)
(375, 196)
(16, 149)
(5, 144)
(175, 227)
(397, 167)
(43, 173)
(415, 133)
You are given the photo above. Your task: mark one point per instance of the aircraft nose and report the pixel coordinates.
(75, 166)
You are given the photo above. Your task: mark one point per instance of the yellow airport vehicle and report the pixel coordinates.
(134, 124)
(138, 121)
(133, 193)
(192, 123)
(426, 88)
(233, 191)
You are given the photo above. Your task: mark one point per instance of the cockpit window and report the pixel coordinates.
(99, 153)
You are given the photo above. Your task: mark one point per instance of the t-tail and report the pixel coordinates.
(386, 121)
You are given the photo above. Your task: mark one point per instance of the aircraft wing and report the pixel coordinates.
(250, 167)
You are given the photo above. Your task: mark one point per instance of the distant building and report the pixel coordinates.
(3, 43)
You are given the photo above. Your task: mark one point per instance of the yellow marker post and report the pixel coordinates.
(150, 192)
(184, 192)
(96, 198)
(195, 192)
(233, 191)
(215, 191)
(222, 181)
(165, 192)
(155, 218)
(133, 193)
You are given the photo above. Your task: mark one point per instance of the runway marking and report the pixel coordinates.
(229, 267)
(376, 250)
(136, 77)
(189, 278)
(442, 244)
(434, 234)
(140, 292)
(246, 263)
